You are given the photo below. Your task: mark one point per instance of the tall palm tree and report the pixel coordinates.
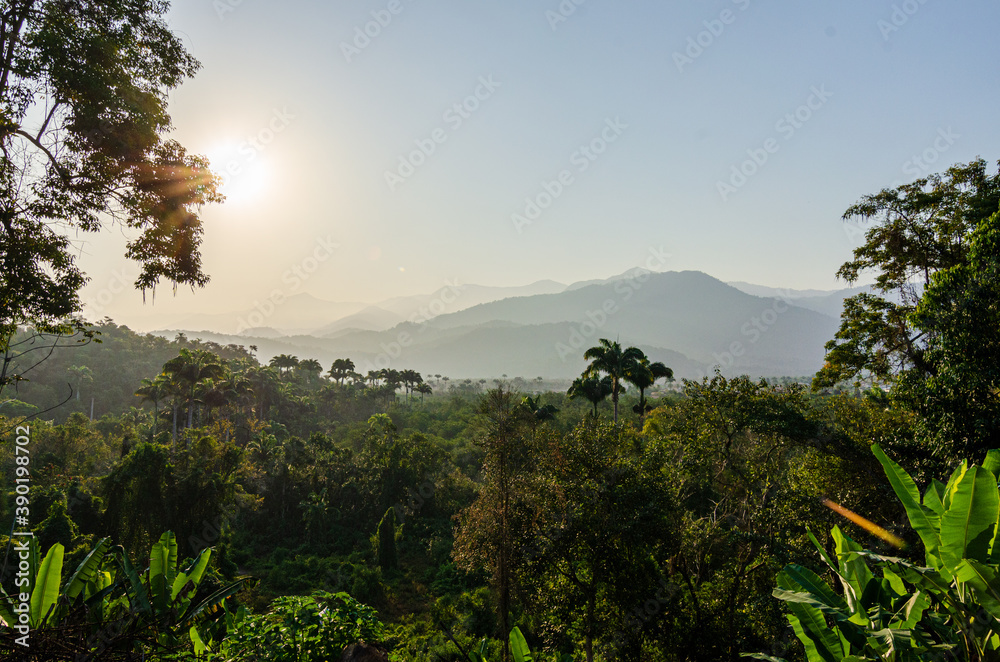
(609, 358)
(80, 374)
(154, 390)
(191, 369)
(284, 363)
(341, 369)
(594, 389)
(643, 376)
(311, 369)
(266, 387)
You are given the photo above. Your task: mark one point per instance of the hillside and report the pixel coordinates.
(689, 320)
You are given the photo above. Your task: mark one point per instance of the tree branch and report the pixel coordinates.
(39, 145)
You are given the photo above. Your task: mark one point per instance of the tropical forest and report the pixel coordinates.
(645, 482)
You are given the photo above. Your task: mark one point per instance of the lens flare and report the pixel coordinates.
(869, 526)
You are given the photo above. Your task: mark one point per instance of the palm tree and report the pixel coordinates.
(537, 412)
(595, 389)
(311, 368)
(154, 390)
(609, 358)
(193, 371)
(266, 387)
(423, 388)
(81, 374)
(284, 363)
(341, 369)
(411, 379)
(643, 376)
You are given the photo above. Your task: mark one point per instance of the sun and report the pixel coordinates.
(245, 174)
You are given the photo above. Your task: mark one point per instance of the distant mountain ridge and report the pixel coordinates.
(688, 319)
(303, 313)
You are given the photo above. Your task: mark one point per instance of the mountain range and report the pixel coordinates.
(689, 320)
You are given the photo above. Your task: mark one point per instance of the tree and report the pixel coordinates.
(729, 449)
(918, 229)
(601, 516)
(925, 328)
(284, 363)
(81, 374)
(154, 390)
(341, 369)
(594, 389)
(644, 375)
(489, 528)
(83, 95)
(959, 405)
(385, 541)
(609, 358)
(537, 413)
(192, 370)
(311, 369)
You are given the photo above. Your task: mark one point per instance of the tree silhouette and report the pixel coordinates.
(594, 389)
(341, 369)
(643, 376)
(154, 390)
(83, 114)
(284, 363)
(191, 371)
(609, 358)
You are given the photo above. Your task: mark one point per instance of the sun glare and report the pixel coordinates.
(245, 175)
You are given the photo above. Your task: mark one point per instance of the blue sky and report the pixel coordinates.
(818, 103)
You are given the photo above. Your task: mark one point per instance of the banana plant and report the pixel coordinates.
(895, 610)
(49, 602)
(518, 648)
(106, 589)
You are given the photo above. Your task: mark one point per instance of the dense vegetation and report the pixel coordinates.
(603, 525)
(189, 502)
(656, 538)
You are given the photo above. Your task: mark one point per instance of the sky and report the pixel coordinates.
(381, 148)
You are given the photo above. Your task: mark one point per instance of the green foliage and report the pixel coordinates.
(311, 628)
(105, 605)
(385, 535)
(959, 401)
(619, 364)
(929, 328)
(894, 609)
(84, 93)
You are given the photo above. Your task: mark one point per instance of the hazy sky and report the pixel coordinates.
(380, 148)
